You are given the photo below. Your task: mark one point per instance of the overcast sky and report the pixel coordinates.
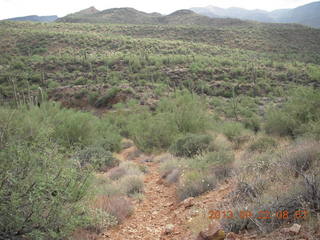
(15, 8)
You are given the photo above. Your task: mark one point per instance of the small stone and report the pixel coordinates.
(169, 229)
(189, 202)
(218, 235)
(294, 229)
(232, 236)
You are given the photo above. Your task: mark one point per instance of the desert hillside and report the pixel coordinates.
(184, 128)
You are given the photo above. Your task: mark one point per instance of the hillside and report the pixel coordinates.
(133, 16)
(307, 14)
(35, 18)
(186, 128)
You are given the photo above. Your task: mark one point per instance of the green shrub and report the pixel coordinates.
(100, 220)
(40, 194)
(190, 145)
(218, 158)
(232, 130)
(72, 128)
(253, 123)
(263, 144)
(131, 185)
(280, 123)
(105, 101)
(297, 115)
(186, 111)
(98, 157)
(195, 183)
(176, 115)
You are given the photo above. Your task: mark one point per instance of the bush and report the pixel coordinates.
(263, 144)
(177, 115)
(302, 156)
(97, 157)
(118, 206)
(190, 145)
(71, 128)
(100, 220)
(195, 183)
(131, 185)
(280, 123)
(105, 101)
(232, 130)
(296, 115)
(116, 173)
(40, 194)
(186, 111)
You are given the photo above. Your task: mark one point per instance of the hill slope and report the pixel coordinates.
(34, 18)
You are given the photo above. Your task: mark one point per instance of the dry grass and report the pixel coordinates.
(118, 206)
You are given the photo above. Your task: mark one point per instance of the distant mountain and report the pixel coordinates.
(35, 18)
(133, 16)
(113, 15)
(307, 14)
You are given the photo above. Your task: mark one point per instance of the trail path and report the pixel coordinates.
(156, 211)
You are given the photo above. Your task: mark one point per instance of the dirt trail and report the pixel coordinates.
(157, 210)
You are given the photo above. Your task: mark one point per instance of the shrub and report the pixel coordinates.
(263, 144)
(105, 101)
(253, 123)
(187, 111)
(176, 115)
(116, 173)
(71, 127)
(173, 176)
(152, 132)
(280, 123)
(302, 156)
(218, 158)
(97, 157)
(232, 130)
(108, 136)
(296, 115)
(168, 166)
(190, 145)
(118, 206)
(40, 194)
(131, 185)
(195, 183)
(100, 220)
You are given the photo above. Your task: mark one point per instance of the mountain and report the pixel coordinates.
(133, 16)
(240, 13)
(34, 18)
(307, 14)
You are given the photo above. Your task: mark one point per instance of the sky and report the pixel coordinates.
(17, 8)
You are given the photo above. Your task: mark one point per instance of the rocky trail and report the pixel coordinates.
(159, 216)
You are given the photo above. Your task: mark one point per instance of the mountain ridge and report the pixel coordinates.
(306, 14)
(35, 18)
(133, 16)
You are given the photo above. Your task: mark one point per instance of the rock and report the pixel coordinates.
(147, 160)
(189, 202)
(232, 236)
(168, 229)
(294, 229)
(218, 235)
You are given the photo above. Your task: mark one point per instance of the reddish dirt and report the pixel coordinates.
(159, 208)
